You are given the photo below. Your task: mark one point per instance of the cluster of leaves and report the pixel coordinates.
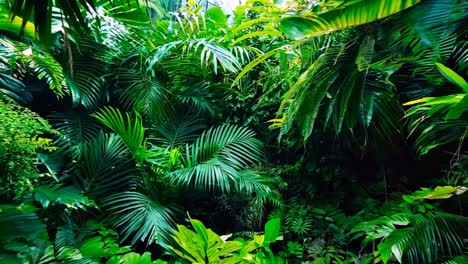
(205, 246)
(23, 135)
(27, 241)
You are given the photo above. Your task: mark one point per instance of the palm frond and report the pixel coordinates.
(460, 55)
(214, 54)
(304, 98)
(66, 245)
(211, 53)
(457, 260)
(438, 120)
(428, 241)
(86, 75)
(14, 89)
(177, 131)
(350, 15)
(200, 97)
(140, 218)
(21, 58)
(142, 93)
(131, 130)
(217, 158)
(16, 25)
(46, 67)
(75, 129)
(249, 181)
(105, 165)
(70, 11)
(435, 132)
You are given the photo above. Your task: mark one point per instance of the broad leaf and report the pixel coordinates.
(357, 13)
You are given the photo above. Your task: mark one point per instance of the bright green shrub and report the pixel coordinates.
(22, 135)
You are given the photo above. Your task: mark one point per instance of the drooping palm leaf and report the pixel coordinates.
(457, 260)
(15, 25)
(71, 11)
(14, 89)
(438, 120)
(349, 15)
(199, 97)
(22, 59)
(86, 75)
(343, 88)
(69, 196)
(249, 181)
(23, 236)
(213, 53)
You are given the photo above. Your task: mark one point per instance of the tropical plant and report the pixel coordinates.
(23, 135)
(219, 159)
(72, 15)
(414, 237)
(21, 232)
(25, 61)
(205, 246)
(438, 120)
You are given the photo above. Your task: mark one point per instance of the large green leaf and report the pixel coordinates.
(272, 230)
(134, 258)
(69, 196)
(440, 192)
(452, 76)
(204, 245)
(15, 25)
(354, 14)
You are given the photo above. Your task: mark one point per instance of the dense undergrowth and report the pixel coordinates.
(171, 132)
